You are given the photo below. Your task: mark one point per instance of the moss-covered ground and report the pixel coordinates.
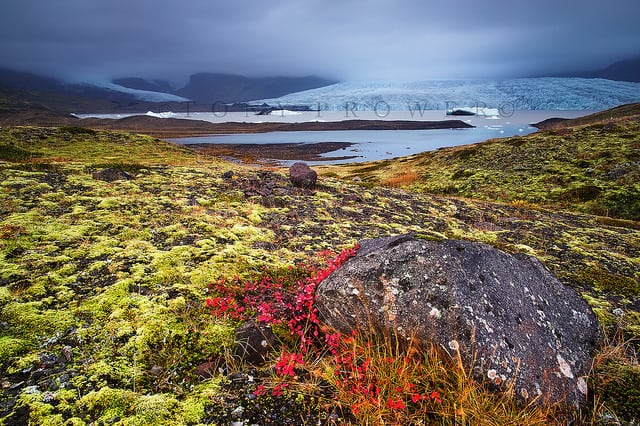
(103, 284)
(593, 168)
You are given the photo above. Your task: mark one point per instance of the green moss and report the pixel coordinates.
(130, 408)
(32, 320)
(40, 413)
(608, 282)
(431, 236)
(107, 404)
(5, 296)
(13, 153)
(11, 347)
(23, 362)
(128, 167)
(603, 311)
(76, 130)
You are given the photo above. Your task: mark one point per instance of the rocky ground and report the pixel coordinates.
(102, 284)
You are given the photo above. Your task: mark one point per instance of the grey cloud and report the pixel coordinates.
(349, 39)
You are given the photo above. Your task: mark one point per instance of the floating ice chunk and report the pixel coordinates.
(165, 114)
(284, 112)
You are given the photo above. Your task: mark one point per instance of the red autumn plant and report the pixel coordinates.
(356, 367)
(276, 300)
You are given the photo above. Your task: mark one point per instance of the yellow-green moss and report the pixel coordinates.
(32, 320)
(608, 282)
(11, 347)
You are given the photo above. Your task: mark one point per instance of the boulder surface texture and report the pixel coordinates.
(302, 176)
(504, 314)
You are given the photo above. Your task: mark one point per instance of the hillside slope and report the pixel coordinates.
(590, 165)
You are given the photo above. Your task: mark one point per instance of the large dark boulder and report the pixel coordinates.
(302, 176)
(506, 314)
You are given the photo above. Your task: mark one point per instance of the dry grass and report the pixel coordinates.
(392, 381)
(403, 179)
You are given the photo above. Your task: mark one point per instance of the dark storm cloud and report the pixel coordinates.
(348, 39)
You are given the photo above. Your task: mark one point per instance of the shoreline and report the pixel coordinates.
(275, 152)
(178, 128)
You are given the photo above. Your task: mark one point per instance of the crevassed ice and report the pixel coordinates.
(514, 94)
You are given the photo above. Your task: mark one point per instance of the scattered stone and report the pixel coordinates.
(253, 342)
(48, 360)
(67, 352)
(622, 170)
(111, 175)
(302, 176)
(517, 321)
(237, 413)
(15, 386)
(31, 390)
(156, 370)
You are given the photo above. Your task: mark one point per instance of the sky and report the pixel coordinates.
(398, 40)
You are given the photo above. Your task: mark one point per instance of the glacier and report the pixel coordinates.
(142, 95)
(507, 96)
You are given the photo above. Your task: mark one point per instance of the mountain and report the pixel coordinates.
(505, 95)
(209, 88)
(11, 79)
(623, 70)
(627, 70)
(22, 90)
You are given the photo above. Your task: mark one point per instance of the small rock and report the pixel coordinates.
(253, 342)
(206, 370)
(228, 175)
(237, 413)
(30, 390)
(111, 175)
(302, 176)
(67, 352)
(156, 370)
(48, 361)
(15, 386)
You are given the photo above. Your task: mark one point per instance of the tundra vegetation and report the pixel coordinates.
(119, 300)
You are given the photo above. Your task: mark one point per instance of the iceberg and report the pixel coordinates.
(166, 114)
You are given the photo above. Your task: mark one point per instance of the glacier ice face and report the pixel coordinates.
(505, 95)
